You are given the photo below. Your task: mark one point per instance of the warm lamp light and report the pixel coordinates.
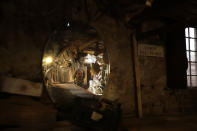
(48, 60)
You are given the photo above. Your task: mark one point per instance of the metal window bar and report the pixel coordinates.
(192, 50)
(189, 61)
(192, 62)
(191, 37)
(189, 58)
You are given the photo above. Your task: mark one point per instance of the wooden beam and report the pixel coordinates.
(165, 28)
(21, 87)
(159, 9)
(137, 77)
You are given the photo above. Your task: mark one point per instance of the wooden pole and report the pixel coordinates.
(55, 74)
(137, 77)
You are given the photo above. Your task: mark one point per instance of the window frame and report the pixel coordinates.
(188, 54)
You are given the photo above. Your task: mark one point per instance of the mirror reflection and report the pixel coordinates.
(75, 60)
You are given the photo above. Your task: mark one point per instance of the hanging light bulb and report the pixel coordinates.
(68, 24)
(49, 60)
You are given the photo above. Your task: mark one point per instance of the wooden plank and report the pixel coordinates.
(86, 75)
(55, 74)
(137, 77)
(20, 86)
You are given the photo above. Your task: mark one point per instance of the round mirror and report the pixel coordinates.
(75, 63)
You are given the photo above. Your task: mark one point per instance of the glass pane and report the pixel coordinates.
(187, 43)
(193, 68)
(194, 81)
(188, 69)
(193, 56)
(192, 44)
(188, 56)
(186, 32)
(188, 81)
(192, 32)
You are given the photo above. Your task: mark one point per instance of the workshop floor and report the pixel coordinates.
(167, 123)
(21, 113)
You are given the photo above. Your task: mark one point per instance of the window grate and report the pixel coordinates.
(191, 51)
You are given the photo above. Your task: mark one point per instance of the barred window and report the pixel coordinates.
(191, 51)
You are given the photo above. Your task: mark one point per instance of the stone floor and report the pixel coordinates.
(22, 113)
(184, 123)
(165, 123)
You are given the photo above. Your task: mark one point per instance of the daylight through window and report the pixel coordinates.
(191, 50)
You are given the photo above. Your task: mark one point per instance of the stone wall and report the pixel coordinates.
(157, 97)
(26, 26)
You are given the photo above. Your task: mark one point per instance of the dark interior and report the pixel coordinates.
(98, 65)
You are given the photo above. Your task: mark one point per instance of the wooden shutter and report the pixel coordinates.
(176, 59)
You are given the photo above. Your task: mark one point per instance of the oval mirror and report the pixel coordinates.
(75, 63)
